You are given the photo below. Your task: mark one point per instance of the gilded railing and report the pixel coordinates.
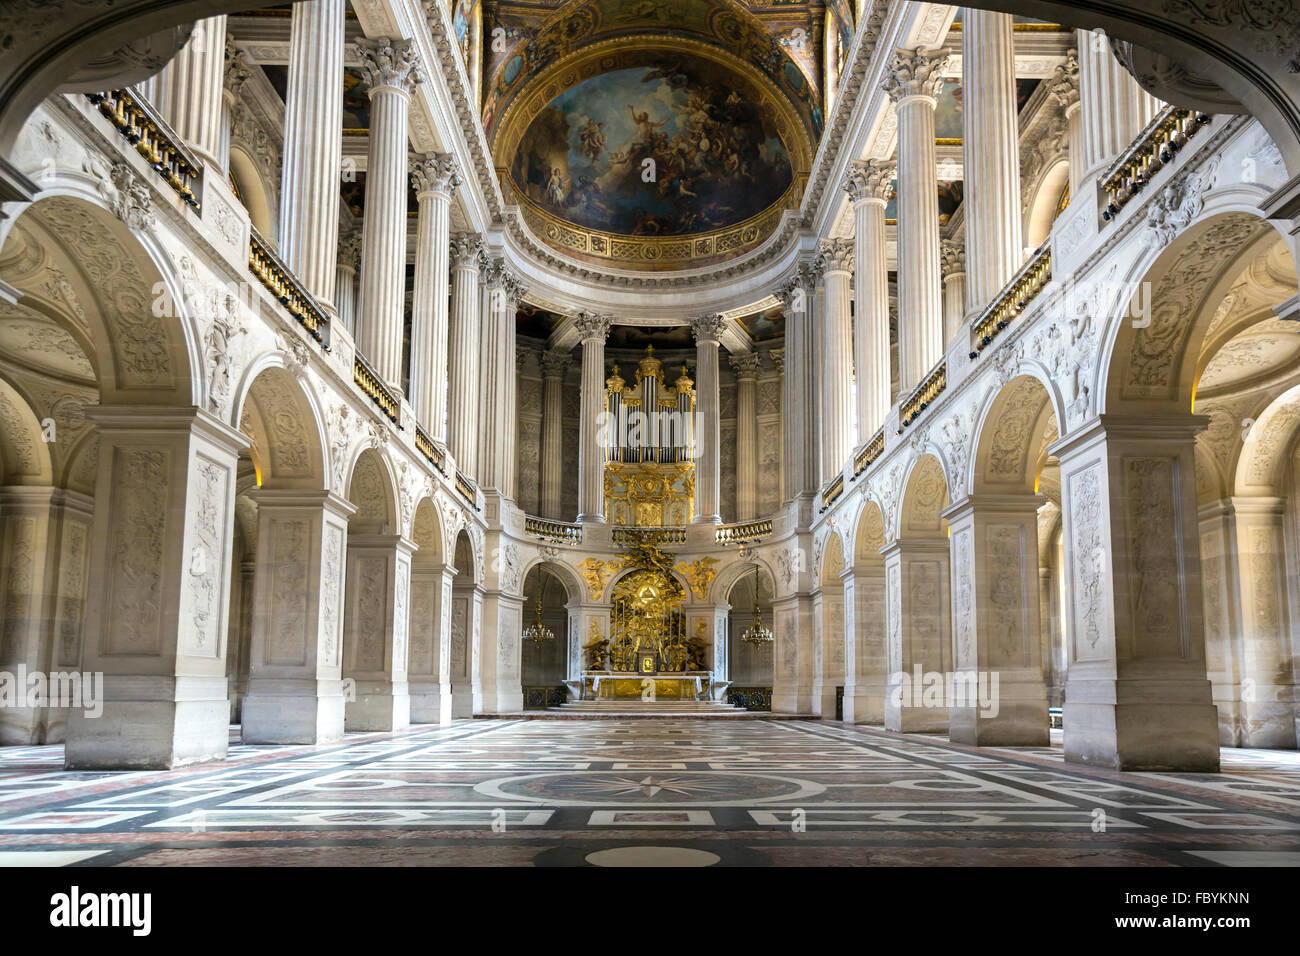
(154, 140)
(467, 490)
(559, 532)
(375, 389)
(743, 532)
(924, 394)
(431, 452)
(1017, 295)
(297, 301)
(1154, 149)
(870, 452)
(832, 492)
(623, 537)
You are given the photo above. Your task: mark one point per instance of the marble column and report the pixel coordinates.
(1063, 87)
(838, 430)
(1113, 108)
(745, 366)
(345, 278)
(952, 260)
(463, 353)
(913, 81)
(995, 247)
(996, 625)
(868, 184)
(1137, 696)
(707, 331)
(392, 69)
(799, 413)
(158, 592)
(592, 330)
(295, 683)
(188, 91)
(917, 636)
(554, 364)
(313, 146)
(376, 624)
(497, 377)
(435, 180)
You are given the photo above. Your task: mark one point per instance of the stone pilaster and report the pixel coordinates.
(864, 645)
(393, 71)
(463, 353)
(592, 330)
(792, 655)
(313, 146)
(746, 369)
(995, 619)
(707, 331)
(828, 647)
(376, 625)
(497, 686)
(1113, 108)
(838, 432)
(554, 365)
(913, 82)
(917, 621)
(434, 179)
(430, 632)
(990, 156)
(868, 184)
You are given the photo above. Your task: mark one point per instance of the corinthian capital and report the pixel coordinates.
(707, 327)
(592, 325)
(554, 362)
(350, 249)
(745, 364)
(916, 72)
(389, 63)
(466, 250)
(436, 173)
(870, 179)
(835, 255)
(952, 256)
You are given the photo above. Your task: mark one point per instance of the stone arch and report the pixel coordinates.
(544, 665)
(24, 454)
(280, 417)
(427, 534)
(924, 497)
(1151, 364)
(749, 592)
(372, 489)
(575, 591)
(255, 193)
(732, 572)
(104, 282)
(1266, 451)
(1044, 203)
(1012, 433)
(869, 537)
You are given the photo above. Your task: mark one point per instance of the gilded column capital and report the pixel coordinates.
(916, 72)
(389, 64)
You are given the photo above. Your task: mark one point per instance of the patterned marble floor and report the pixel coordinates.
(688, 792)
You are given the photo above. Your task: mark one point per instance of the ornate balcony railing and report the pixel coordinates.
(375, 389)
(1154, 149)
(1017, 295)
(870, 452)
(154, 140)
(558, 532)
(623, 537)
(832, 493)
(297, 301)
(743, 532)
(431, 452)
(924, 394)
(467, 490)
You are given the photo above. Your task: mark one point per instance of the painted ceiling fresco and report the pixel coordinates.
(662, 150)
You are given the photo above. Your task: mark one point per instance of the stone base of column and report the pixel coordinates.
(292, 712)
(787, 696)
(823, 701)
(865, 703)
(462, 702)
(1145, 723)
(426, 702)
(1014, 714)
(1270, 721)
(380, 706)
(151, 723)
(510, 700)
(21, 726)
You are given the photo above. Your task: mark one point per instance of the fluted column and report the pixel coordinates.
(1063, 87)
(1113, 108)
(462, 353)
(554, 365)
(799, 413)
(952, 262)
(392, 69)
(592, 330)
(435, 180)
(746, 368)
(995, 246)
(707, 330)
(497, 382)
(345, 278)
(837, 356)
(189, 89)
(913, 81)
(313, 146)
(868, 185)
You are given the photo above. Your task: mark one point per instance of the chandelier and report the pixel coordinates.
(538, 633)
(757, 633)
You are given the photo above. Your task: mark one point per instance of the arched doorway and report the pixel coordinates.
(751, 664)
(545, 664)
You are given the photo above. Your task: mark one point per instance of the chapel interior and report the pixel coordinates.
(549, 375)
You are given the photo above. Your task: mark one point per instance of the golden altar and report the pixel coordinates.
(608, 685)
